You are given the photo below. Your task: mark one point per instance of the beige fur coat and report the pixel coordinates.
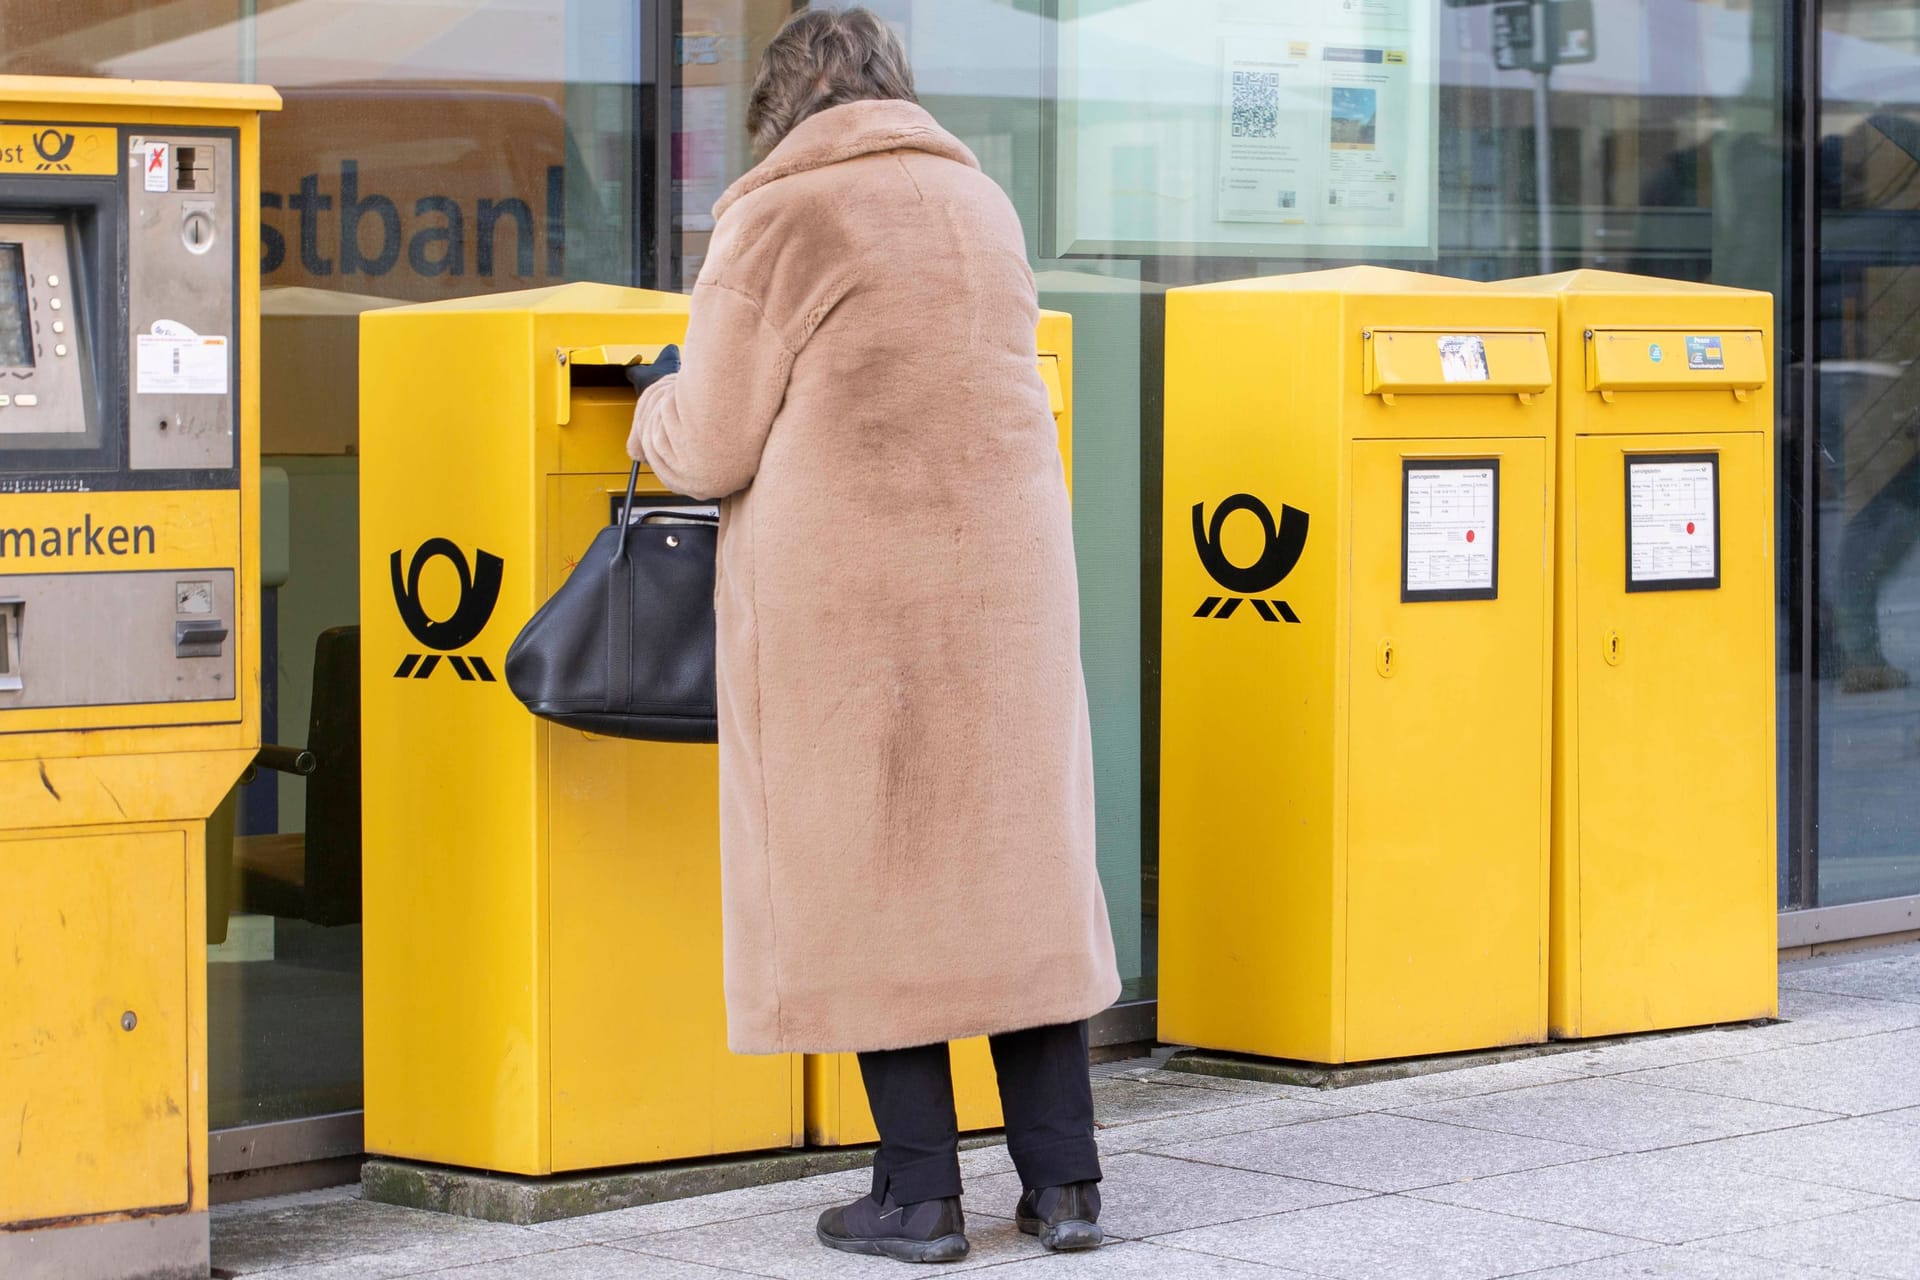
(906, 782)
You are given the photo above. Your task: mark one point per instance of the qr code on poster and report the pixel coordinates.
(1256, 104)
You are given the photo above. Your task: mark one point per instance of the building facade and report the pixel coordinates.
(468, 146)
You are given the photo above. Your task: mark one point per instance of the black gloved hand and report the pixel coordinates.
(643, 376)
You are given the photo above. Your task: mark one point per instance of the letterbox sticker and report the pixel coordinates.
(1450, 531)
(156, 171)
(479, 592)
(172, 359)
(1706, 353)
(1673, 522)
(1654, 353)
(1279, 553)
(1463, 359)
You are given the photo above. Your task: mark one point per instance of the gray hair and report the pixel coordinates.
(820, 59)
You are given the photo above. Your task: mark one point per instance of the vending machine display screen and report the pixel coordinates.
(16, 344)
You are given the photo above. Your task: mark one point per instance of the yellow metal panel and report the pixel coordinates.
(1408, 362)
(1675, 850)
(148, 98)
(641, 1069)
(1447, 791)
(1251, 713)
(1660, 360)
(454, 864)
(97, 1115)
(838, 1114)
(1055, 341)
(51, 148)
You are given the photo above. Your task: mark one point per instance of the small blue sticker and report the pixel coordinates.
(1655, 354)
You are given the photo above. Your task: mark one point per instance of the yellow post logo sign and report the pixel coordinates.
(58, 148)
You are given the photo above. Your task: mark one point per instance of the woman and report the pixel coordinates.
(906, 778)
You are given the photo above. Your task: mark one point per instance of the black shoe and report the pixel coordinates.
(1065, 1218)
(930, 1231)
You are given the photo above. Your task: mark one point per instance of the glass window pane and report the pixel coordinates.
(1868, 638)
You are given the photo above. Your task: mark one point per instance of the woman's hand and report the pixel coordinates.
(643, 376)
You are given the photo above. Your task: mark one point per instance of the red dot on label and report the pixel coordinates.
(1469, 535)
(1689, 526)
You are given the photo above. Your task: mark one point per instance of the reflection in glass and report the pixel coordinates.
(1868, 643)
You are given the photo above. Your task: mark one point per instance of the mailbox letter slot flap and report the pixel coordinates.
(1050, 374)
(1704, 359)
(612, 356)
(1445, 362)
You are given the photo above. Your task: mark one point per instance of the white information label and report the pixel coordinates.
(1452, 531)
(190, 365)
(156, 166)
(1673, 535)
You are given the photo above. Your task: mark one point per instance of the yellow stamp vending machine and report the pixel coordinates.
(1356, 615)
(837, 1111)
(1664, 770)
(129, 654)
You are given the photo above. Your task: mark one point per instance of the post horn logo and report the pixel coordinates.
(54, 148)
(1284, 544)
(479, 592)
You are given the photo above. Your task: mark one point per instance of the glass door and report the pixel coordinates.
(1867, 630)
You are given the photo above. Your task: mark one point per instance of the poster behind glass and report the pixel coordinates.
(1261, 130)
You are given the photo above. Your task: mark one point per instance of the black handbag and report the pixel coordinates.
(625, 647)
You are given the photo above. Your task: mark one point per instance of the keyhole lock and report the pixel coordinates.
(128, 1021)
(1386, 660)
(1611, 649)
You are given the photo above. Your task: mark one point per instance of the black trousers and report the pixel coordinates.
(1045, 1094)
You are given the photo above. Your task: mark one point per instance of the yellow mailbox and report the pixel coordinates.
(1663, 818)
(129, 658)
(542, 910)
(1355, 685)
(541, 907)
(837, 1111)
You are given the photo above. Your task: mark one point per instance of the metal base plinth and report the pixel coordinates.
(169, 1247)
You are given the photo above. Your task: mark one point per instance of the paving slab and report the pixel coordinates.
(1378, 1152)
(1892, 976)
(1863, 1155)
(782, 1245)
(576, 1262)
(1668, 1197)
(342, 1230)
(1615, 1115)
(1684, 1262)
(1444, 1086)
(1905, 1115)
(1882, 1242)
(1860, 1076)
(1143, 1261)
(698, 1211)
(1130, 1101)
(1116, 1139)
(1146, 1195)
(1394, 1238)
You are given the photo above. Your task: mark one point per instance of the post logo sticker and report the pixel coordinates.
(479, 592)
(1280, 552)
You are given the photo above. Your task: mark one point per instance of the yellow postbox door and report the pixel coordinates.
(94, 1012)
(1668, 937)
(1447, 772)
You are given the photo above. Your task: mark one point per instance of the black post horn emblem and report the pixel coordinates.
(479, 592)
(1284, 544)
